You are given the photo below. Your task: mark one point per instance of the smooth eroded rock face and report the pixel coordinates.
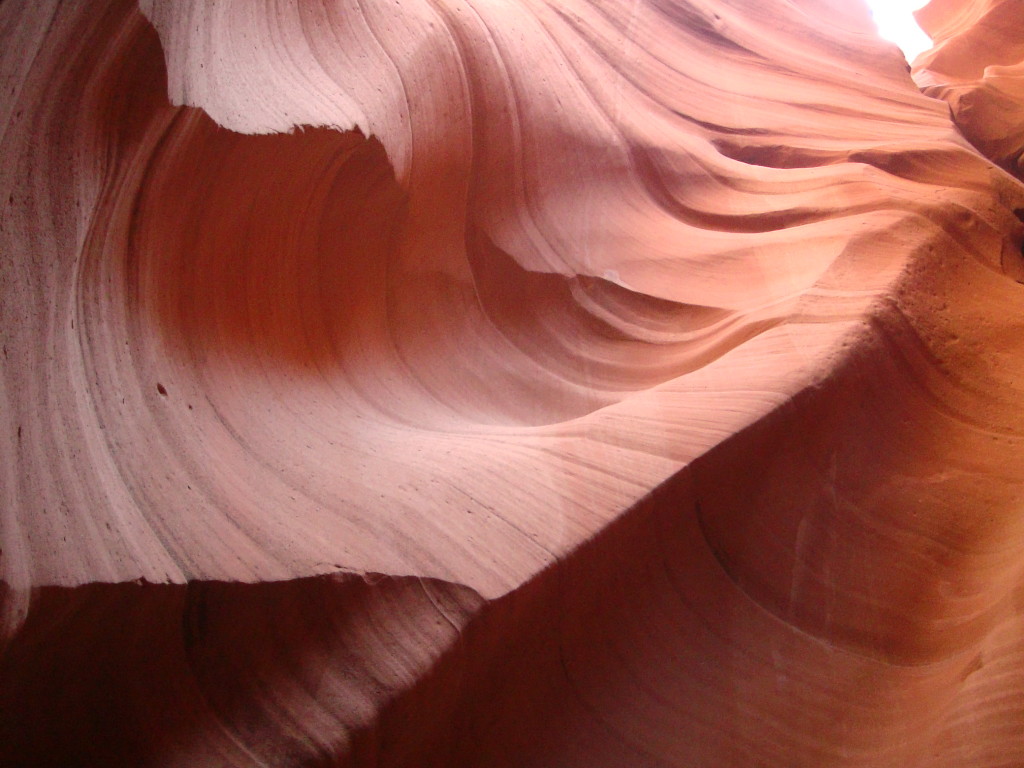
(977, 66)
(441, 383)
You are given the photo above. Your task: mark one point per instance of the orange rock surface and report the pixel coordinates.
(977, 65)
(447, 383)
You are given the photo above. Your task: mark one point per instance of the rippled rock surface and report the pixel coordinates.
(977, 66)
(448, 383)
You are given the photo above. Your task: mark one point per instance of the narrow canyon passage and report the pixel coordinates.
(448, 383)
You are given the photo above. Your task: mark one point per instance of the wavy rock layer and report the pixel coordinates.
(501, 384)
(977, 66)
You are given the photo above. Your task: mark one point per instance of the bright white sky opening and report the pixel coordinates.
(895, 23)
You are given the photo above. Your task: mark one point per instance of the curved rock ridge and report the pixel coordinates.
(977, 66)
(307, 337)
(442, 383)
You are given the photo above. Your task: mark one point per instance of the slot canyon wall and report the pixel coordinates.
(477, 383)
(977, 66)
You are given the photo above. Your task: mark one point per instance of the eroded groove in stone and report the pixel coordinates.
(977, 66)
(657, 365)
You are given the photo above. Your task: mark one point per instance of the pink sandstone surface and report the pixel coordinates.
(439, 383)
(977, 65)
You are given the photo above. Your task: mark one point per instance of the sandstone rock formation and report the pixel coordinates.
(977, 65)
(446, 383)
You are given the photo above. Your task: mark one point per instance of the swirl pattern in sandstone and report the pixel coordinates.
(977, 66)
(479, 383)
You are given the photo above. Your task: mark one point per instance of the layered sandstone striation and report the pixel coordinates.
(977, 66)
(503, 384)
